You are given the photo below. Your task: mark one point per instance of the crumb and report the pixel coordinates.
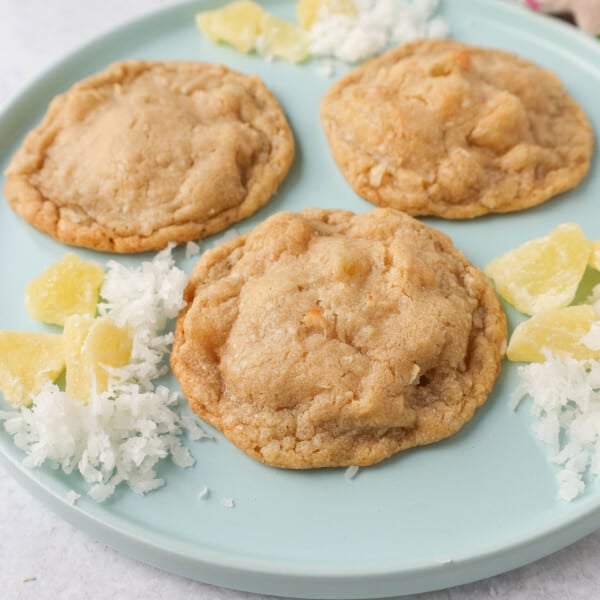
(350, 472)
(72, 496)
(325, 70)
(229, 235)
(192, 249)
(227, 502)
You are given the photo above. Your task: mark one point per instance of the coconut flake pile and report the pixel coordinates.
(378, 25)
(121, 434)
(566, 402)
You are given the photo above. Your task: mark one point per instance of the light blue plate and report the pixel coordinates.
(474, 505)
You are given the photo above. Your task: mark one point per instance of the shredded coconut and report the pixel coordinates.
(194, 430)
(192, 249)
(325, 70)
(72, 496)
(378, 25)
(227, 502)
(143, 297)
(565, 397)
(203, 493)
(229, 235)
(351, 472)
(121, 434)
(592, 338)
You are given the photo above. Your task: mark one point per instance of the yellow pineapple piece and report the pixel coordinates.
(309, 11)
(90, 346)
(594, 261)
(543, 273)
(237, 24)
(106, 344)
(27, 362)
(282, 39)
(558, 330)
(69, 286)
(78, 379)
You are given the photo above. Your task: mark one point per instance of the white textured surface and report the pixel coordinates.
(42, 557)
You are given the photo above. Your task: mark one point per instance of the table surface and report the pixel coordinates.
(43, 557)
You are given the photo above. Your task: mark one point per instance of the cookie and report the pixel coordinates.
(441, 128)
(145, 153)
(325, 339)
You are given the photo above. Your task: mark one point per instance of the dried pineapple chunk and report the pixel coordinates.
(77, 378)
(90, 345)
(237, 24)
(27, 362)
(247, 27)
(309, 11)
(282, 39)
(559, 331)
(544, 273)
(594, 261)
(70, 286)
(107, 344)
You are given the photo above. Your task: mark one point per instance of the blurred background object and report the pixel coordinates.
(583, 13)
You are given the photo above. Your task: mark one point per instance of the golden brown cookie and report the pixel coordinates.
(323, 338)
(441, 128)
(145, 153)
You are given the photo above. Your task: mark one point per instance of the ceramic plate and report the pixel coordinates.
(481, 502)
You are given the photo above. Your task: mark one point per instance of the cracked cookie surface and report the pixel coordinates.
(441, 128)
(145, 153)
(324, 338)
